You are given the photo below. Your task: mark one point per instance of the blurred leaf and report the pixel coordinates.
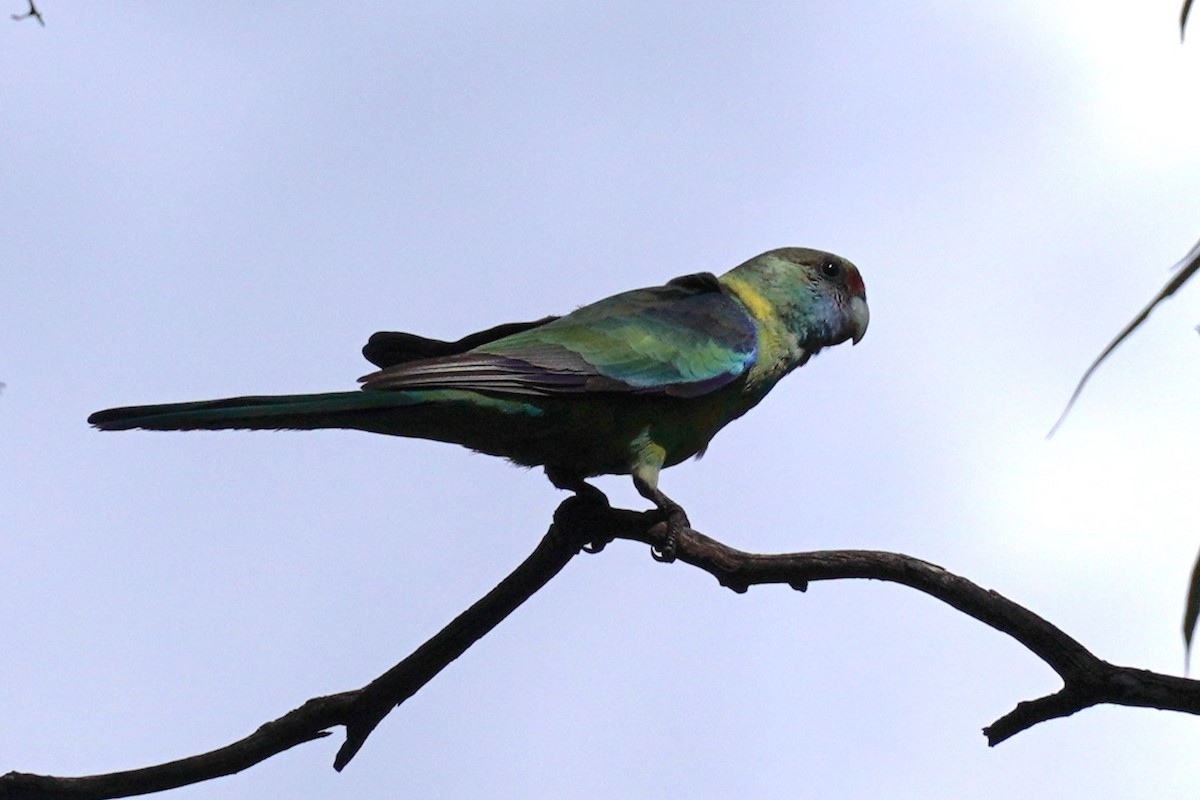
(1187, 266)
(1191, 611)
(1187, 6)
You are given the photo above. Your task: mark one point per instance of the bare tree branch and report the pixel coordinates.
(33, 12)
(560, 544)
(301, 725)
(1087, 680)
(359, 710)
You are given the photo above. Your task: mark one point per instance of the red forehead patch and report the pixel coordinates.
(854, 281)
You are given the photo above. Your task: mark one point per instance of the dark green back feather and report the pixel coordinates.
(686, 338)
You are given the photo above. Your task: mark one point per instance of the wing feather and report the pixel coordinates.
(388, 348)
(683, 339)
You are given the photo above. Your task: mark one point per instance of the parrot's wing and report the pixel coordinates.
(683, 339)
(388, 348)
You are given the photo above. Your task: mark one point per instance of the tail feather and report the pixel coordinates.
(299, 412)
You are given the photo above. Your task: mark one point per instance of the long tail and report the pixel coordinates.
(297, 411)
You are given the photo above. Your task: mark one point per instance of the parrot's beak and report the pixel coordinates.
(859, 317)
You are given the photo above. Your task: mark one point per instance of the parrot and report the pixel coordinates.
(628, 385)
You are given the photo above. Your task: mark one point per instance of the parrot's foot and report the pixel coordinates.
(591, 495)
(584, 520)
(677, 522)
(585, 495)
(676, 519)
(598, 499)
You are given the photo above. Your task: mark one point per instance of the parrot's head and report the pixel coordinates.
(820, 297)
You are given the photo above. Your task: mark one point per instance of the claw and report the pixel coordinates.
(667, 554)
(595, 546)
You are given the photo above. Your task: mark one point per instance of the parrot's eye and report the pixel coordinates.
(831, 269)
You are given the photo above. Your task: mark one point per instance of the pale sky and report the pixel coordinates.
(217, 199)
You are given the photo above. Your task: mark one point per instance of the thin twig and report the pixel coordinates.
(33, 12)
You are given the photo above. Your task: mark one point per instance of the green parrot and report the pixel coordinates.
(627, 385)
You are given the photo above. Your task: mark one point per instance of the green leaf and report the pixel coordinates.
(1191, 611)
(1187, 267)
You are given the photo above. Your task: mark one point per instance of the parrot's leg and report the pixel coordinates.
(573, 483)
(647, 486)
